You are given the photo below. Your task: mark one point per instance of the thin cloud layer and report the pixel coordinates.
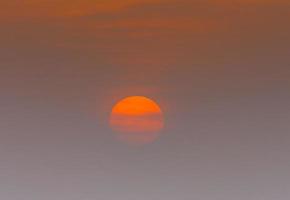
(65, 8)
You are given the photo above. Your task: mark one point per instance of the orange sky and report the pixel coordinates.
(151, 34)
(61, 8)
(154, 34)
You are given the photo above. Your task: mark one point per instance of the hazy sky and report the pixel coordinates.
(219, 69)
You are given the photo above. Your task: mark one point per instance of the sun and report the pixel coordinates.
(137, 119)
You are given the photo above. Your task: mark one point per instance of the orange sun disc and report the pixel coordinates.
(137, 119)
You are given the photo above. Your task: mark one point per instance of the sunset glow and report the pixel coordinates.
(137, 119)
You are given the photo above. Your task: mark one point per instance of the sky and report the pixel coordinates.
(219, 70)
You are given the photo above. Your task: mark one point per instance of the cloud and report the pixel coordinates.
(65, 8)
